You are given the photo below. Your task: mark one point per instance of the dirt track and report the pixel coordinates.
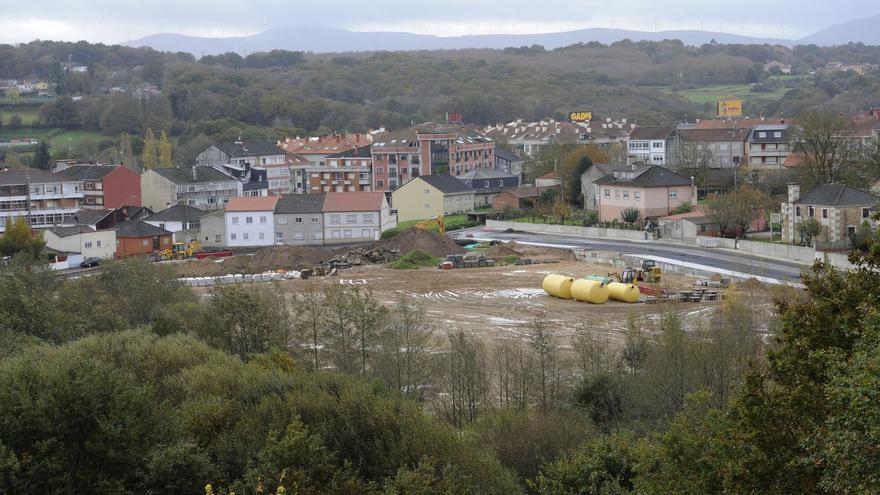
(499, 302)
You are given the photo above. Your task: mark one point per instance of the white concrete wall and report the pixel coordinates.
(631, 235)
(240, 233)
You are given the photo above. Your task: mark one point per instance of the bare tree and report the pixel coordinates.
(547, 366)
(309, 311)
(694, 159)
(405, 360)
(512, 373)
(339, 332)
(826, 142)
(367, 318)
(593, 354)
(465, 378)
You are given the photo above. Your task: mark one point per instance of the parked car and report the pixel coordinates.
(90, 262)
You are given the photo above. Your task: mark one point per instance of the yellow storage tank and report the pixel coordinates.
(590, 291)
(558, 285)
(627, 293)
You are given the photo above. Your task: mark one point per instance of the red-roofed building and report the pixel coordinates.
(550, 179)
(250, 221)
(106, 186)
(351, 217)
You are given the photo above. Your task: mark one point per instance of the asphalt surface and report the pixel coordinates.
(784, 271)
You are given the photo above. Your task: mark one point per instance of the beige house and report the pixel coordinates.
(430, 196)
(655, 191)
(82, 239)
(839, 209)
(202, 187)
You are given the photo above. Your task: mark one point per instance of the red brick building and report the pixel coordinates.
(429, 149)
(136, 238)
(106, 186)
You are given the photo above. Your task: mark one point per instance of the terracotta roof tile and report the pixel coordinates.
(262, 203)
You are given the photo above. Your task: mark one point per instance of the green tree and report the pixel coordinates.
(42, 158)
(604, 466)
(809, 230)
(165, 160)
(149, 158)
(15, 122)
(18, 237)
(630, 215)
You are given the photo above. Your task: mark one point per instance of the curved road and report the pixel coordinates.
(783, 271)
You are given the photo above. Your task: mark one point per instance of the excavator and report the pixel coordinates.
(179, 251)
(650, 272)
(429, 223)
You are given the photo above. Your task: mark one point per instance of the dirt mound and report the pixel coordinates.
(501, 251)
(532, 252)
(269, 259)
(430, 242)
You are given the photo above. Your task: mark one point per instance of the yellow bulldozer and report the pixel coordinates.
(179, 251)
(650, 272)
(429, 223)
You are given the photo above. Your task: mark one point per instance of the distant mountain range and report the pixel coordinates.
(333, 40)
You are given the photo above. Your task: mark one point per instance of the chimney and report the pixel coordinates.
(694, 194)
(794, 192)
(195, 174)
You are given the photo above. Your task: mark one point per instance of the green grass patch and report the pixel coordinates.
(61, 140)
(711, 94)
(453, 222)
(415, 259)
(27, 115)
(509, 260)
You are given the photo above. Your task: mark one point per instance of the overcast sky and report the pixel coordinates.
(112, 21)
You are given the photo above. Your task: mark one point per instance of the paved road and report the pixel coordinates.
(784, 271)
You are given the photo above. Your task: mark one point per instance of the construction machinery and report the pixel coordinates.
(650, 272)
(465, 261)
(179, 251)
(429, 223)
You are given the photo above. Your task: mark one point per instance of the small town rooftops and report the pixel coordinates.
(135, 228)
(447, 184)
(185, 175)
(650, 133)
(484, 173)
(32, 175)
(353, 201)
(654, 176)
(837, 195)
(300, 203)
(177, 213)
(91, 216)
(71, 230)
(238, 149)
(87, 172)
(507, 155)
(259, 203)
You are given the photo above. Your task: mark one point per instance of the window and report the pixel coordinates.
(797, 211)
(866, 213)
(262, 236)
(217, 238)
(812, 212)
(637, 195)
(625, 194)
(336, 234)
(99, 243)
(348, 234)
(249, 220)
(88, 244)
(146, 243)
(234, 220)
(380, 183)
(392, 159)
(335, 219)
(298, 220)
(162, 226)
(824, 212)
(657, 144)
(315, 219)
(673, 194)
(351, 219)
(367, 219)
(245, 236)
(762, 135)
(282, 220)
(233, 236)
(298, 236)
(617, 193)
(607, 193)
(365, 233)
(262, 220)
(279, 237)
(777, 134)
(380, 170)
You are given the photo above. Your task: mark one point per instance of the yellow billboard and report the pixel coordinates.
(580, 116)
(730, 108)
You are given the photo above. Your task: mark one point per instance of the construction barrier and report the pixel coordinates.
(239, 278)
(558, 285)
(590, 291)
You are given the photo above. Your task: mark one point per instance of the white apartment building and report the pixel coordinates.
(650, 145)
(250, 221)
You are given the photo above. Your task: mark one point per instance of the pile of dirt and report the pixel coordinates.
(501, 251)
(288, 258)
(430, 242)
(534, 252)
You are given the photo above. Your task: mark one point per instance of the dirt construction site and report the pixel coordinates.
(492, 302)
